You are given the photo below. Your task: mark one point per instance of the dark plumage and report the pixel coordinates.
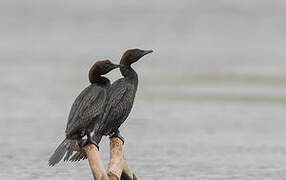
(122, 93)
(86, 113)
(120, 96)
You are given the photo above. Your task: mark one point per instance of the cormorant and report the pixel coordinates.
(86, 111)
(121, 94)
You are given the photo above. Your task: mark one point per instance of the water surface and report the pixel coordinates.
(211, 98)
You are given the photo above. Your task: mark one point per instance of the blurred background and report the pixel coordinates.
(211, 98)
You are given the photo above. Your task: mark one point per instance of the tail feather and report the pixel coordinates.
(83, 156)
(59, 152)
(78, 156)
(70, 150)
(75, 157)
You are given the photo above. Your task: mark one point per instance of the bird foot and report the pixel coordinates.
(118, 135)
(84, 142)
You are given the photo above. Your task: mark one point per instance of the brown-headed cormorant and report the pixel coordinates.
(121, 96)
(86, 111)
(122, 93)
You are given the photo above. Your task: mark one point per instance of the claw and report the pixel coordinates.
(83, 142)
(118, 135)
(91, 141)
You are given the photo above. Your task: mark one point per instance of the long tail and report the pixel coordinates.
(78, 156)
(65, 147)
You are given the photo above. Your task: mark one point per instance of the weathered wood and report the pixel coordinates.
(117, 167)
(94, 161)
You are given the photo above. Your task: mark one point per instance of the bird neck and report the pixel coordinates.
(100, 80)
(128, 72)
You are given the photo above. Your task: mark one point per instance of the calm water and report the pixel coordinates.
(211, 99)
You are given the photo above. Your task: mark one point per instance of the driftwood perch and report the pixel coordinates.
(95, 162)
(117, 167)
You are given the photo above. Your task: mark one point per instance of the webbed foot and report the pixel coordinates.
(84, 142)
(91, 140)
(117, 134)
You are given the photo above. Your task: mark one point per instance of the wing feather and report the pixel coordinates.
(87, 106)
(119, 105)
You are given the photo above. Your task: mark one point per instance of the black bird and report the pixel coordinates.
(121, 96)
(122, 93)
(86, 112)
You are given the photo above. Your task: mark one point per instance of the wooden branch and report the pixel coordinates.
(94, 161)
(117, 167)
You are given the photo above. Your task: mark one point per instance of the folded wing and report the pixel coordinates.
(88, 106)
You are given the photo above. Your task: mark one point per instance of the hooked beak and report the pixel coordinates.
(146, 52)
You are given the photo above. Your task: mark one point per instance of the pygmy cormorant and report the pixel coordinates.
(86, 111)
(122, 93)
(120, 96)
